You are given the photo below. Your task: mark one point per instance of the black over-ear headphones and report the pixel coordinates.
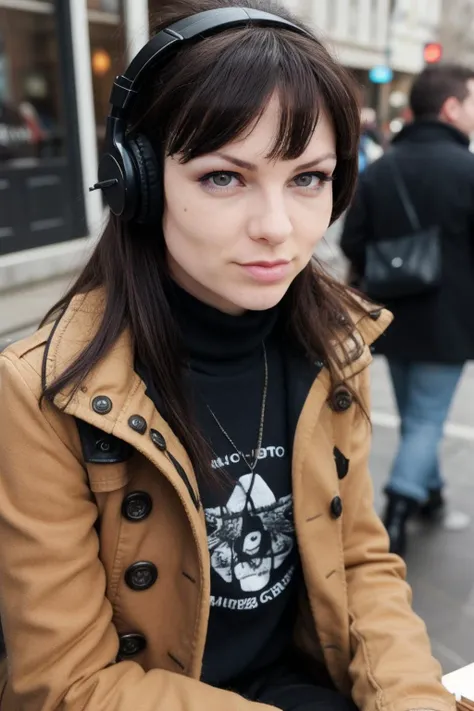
(130, 174)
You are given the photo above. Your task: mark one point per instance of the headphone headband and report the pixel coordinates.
(167, 42)
(129, 172)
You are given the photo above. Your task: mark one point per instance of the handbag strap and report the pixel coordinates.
(403, 194)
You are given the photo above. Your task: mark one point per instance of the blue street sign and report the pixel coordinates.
(380, 74)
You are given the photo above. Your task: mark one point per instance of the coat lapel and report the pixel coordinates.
(116, 379)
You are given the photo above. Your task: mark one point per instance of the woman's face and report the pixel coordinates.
(239, 228)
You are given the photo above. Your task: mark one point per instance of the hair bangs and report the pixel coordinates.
(233, 91)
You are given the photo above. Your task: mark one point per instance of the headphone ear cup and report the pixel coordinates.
(150, 183)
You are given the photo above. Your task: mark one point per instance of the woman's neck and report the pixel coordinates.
(214, 340)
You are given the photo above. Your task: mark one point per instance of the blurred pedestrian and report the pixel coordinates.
(186, 518)
(371, 140)
(409, 235)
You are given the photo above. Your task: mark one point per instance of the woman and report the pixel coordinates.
(186, 518)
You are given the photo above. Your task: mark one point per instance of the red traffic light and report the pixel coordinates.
(432, 52)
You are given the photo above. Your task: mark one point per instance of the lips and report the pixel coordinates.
(266, 265)
(267, 272)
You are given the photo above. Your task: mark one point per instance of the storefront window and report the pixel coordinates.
(107, 40)
(31, 113)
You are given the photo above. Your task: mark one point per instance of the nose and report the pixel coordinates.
(270, 221)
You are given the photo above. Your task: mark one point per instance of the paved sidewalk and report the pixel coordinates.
(440, 563)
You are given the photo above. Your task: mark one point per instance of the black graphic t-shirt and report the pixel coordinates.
(249, 514)
(249, 521)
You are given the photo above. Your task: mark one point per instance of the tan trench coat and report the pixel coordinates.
(68, 594)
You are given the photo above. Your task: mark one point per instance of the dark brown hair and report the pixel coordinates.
(189, 110)
(434, 85)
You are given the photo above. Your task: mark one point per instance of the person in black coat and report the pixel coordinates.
(432, 335)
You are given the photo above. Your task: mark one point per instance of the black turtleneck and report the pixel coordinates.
(216, 342)
(249, 519)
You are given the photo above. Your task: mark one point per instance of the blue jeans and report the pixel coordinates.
(424, 392)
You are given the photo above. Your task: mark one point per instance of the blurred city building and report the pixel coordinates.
(370, 36)
(457, 31)
(58, 59)
(57, 62)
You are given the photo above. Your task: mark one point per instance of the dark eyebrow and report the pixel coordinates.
(251, 166)
(316, 161)
(237, 161)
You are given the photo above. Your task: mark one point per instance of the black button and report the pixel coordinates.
(102, 404)
(137, 506)
(141, 575)
(158, 440)
(137, 423)
(341, 400)
(336, 507)
(131, 644)
(103, 445)
(375, 315)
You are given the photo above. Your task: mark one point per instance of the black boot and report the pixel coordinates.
(399, 509)
(432, 511)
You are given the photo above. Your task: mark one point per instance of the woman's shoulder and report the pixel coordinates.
(41, 355)
(369, 320)
(26, 357)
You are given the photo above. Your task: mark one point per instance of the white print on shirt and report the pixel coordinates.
(235, 458)
(252, 535)
(251, 603)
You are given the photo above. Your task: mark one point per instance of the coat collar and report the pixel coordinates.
(431, 130)
(115, 378)
(115, 375)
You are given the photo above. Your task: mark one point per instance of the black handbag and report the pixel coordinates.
(408, 265)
